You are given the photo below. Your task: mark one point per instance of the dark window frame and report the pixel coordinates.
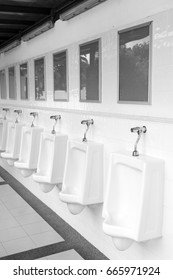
(15, 91)
(67, 76)
(99, 69)
(44, 60)
(149, 102)
(26, 62)
(5, 82)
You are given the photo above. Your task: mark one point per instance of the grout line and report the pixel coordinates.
(4, 250)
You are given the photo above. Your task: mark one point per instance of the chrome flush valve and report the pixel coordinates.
(56, 118)
(18, 113)
(6, 110)
(88, 123)
(139, 131)
(33, 114)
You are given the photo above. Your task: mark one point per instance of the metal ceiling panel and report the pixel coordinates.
(19, 17)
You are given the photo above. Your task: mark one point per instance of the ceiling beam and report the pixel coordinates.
(3, 38)
(24, 9)
(8, 30)
(16, 21)
(13, 26)
(6, 35)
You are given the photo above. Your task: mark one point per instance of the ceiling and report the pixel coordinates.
(17, 17)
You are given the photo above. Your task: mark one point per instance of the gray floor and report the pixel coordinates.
(21, 227)
(31, 230)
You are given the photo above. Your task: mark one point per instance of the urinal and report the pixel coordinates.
(12, 148)
(51, 161)
(133, 205)
(83, 175)
(3, 134)
(28, 156)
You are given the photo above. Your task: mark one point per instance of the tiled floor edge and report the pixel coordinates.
(3, 183)
(39, 252)
(73, 240)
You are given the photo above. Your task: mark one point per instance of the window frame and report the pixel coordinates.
(25, 62)
(5, 76)
(149, 102)
(67, 76)
(99, 69)
(15, 85)
(44, 59)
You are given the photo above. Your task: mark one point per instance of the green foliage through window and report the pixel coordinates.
(134, 53)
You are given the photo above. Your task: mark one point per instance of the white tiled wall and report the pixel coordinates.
(112, 121)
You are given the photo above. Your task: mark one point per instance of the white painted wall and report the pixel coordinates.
(112, 121)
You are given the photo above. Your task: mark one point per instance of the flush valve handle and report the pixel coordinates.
(34, 115)
(56, 118)
(18, 113)
(88, 123)
(139, 131)
(6, 110)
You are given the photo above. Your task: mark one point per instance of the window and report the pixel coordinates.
(60, 76)
(24, 81)
(134, 64)
(39, 79)
(12, 83)
(3, 89)
(90, 72)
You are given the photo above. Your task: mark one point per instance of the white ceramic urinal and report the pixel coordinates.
(133, 203)
(3, 134)
(83, 175)
(12, 149)
(28, 156)
(50, 168)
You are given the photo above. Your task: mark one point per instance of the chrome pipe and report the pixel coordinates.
(6, 110)
(34, 115)
(139, 131)
(18, 112)
(56, 118)
(88, 123)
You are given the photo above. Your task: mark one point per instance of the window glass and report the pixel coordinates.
(24, 81)
(60, 76)
(12, 83)
(134, 54)
(3, 89)
(39, 79)
(89, 72)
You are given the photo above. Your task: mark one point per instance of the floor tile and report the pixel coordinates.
(29, 218)
(46, 238)
(6, 187)
(8, 223)
(2, 251)
(14, 202)
(18, 245)
(3, 207)
(9, 195)
(13, 233)
(37, 227)
(67, 255)
(7, 192)
(5, 214)
(20, 221)
(24, 210)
